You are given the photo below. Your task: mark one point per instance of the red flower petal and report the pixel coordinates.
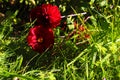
(39, 32)
(46, 14)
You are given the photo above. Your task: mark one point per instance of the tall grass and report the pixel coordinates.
(94, 58)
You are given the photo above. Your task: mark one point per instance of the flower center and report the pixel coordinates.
(40, 40)
(46, 17)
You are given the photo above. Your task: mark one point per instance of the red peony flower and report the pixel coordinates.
(40, 38)
(46, 14)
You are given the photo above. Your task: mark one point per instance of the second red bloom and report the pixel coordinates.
(47, 15)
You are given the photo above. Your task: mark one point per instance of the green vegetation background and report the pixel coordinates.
(72, 58)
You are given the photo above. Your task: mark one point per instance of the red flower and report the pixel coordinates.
(40, 38)
(46, 14)
(87, 36)
(81, 28)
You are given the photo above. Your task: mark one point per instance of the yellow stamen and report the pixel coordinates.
(40, 40)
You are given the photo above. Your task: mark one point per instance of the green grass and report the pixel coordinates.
(96, 58)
